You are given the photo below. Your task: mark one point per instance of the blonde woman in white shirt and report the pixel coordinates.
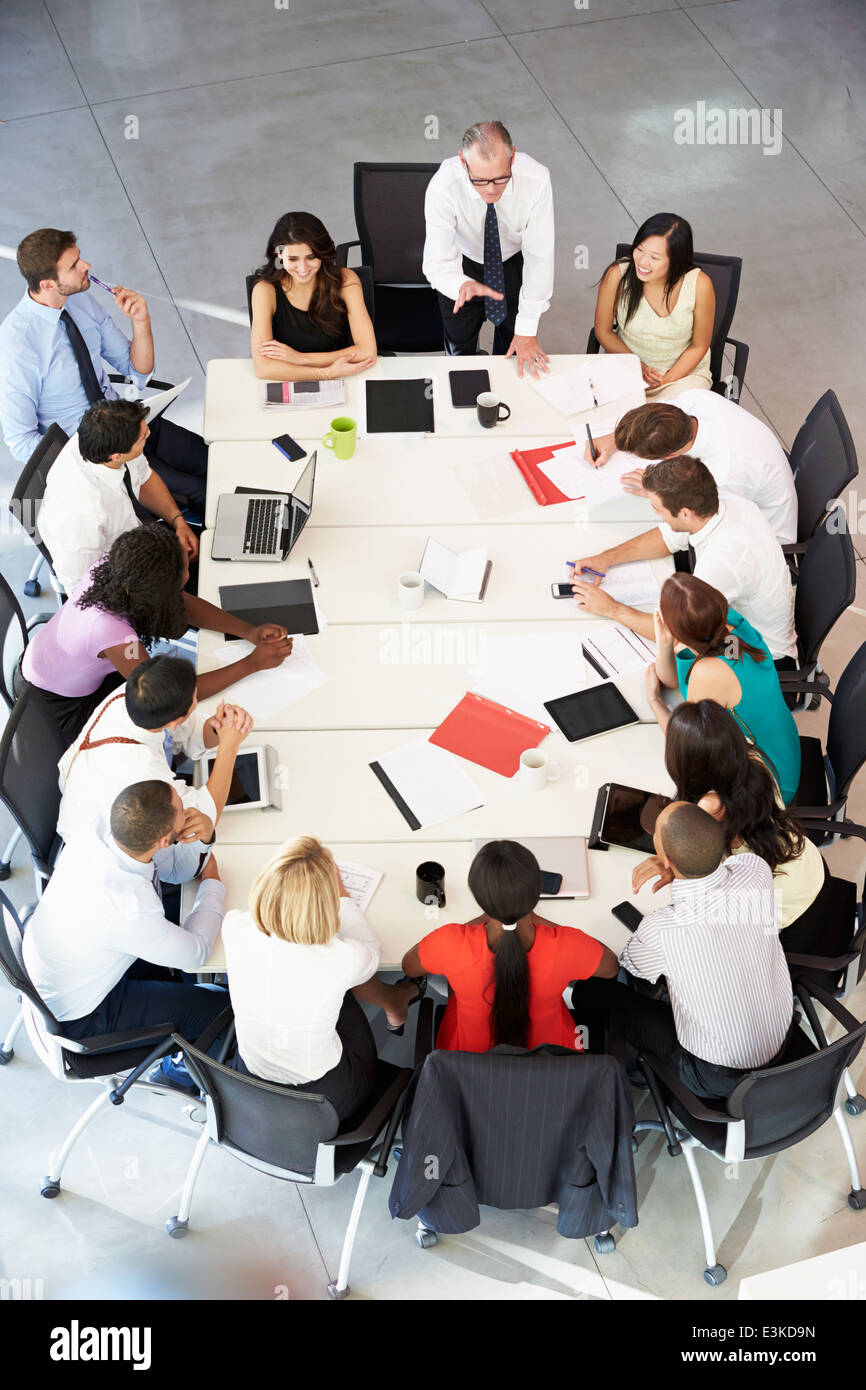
(298, 961)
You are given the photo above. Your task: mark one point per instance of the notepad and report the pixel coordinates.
(462, 576)
(426, 784)
(570, 473)
(489, 734)
(634, 584)
(606, 378)
(612, 650)
(359, 881)
(398, 407)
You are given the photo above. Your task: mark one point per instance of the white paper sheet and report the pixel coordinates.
(569, 471)
(521, 672)
(584, 387)
(159, 402)
(455, 576)
(431, 781)
(617, 650)
(266, 692)
(360, 882)
(634, 584)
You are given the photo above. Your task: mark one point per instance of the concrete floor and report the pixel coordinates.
(170, 137)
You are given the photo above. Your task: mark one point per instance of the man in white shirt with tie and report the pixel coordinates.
(489, 247)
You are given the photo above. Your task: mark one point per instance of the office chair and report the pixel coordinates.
(14, 635)
(30, 749)
(769, 1110)
(826, 584)
(389, 216)
(825, 778)
(724, 271)
(293, 1135)
(823, 461)
(26, 500)
(364, 274)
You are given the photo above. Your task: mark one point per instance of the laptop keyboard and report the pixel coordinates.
(261, 536)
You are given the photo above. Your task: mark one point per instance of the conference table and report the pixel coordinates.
(391, 676)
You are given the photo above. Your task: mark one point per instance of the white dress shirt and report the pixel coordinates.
(85, 508)
(456, 213)
(287, 998)
(90, 780)
(718, 947)
(101, 912)
(738, 554)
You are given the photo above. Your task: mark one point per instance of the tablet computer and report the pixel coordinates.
(590, 712)
(253, 784)
(625, 816)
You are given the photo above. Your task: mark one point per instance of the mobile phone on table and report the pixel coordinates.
(562, 591)
(550, 883)
(290, 447)
(628, 914)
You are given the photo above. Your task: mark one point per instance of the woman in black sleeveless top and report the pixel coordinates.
(309, 317)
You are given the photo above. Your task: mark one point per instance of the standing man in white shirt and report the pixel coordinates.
(90, 489)
(489, 247)
(735, 551)
(743, 455)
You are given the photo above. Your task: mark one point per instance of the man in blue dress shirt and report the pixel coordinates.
(53, 349)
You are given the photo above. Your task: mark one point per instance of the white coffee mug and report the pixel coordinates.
(410, 589)
(536, 770)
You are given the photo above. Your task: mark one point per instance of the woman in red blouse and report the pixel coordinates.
(507, 969)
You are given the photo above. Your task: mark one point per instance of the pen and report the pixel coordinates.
(101, 283)
(592, 389)
(585, 569)
(592, 449)
(313, 573)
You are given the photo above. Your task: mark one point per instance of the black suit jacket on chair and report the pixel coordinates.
(517, 1129)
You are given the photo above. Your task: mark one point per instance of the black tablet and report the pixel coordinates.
(626, 816)
(466, 387)
(590, 712)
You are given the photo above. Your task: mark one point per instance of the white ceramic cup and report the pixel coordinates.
(410, 590)
(536, 770)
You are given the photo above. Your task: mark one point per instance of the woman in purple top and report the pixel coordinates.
(133, 597)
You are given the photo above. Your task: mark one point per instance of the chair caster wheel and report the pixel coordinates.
(605, 1245)
(814, 703)
(6, 1056)
(855, 1105)
(176, 1229)
(633, 1145)
(50, 1188)
(857, 1200)
(32, 588)
(338, 1294)
(426, 1239)
(715, 1275)
(5, 871)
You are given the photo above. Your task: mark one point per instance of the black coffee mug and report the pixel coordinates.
(488, 406)
(430, 884)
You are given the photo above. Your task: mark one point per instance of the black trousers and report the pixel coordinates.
(348, 1084)
(72, 712)
(180, 459)
(461, 329)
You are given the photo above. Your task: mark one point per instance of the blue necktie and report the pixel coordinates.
(494, 309)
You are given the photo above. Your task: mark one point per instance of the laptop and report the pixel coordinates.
(263, 525)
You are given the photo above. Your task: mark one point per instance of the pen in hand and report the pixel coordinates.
(101, 283)
(585, 569)
(592, 449)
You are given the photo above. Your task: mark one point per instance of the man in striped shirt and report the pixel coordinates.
(717, 945)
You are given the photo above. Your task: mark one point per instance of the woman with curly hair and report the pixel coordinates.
(309, 320)
(133, 597)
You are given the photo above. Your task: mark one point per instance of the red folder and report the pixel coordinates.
(540, 486)
(489, 734)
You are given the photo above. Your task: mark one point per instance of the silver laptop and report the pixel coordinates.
(263, 525)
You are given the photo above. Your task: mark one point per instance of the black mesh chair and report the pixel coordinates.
(389, 216)
(293, 1135)
(825, 778)
(724, 271)
(30, 750)
(364, 274)
(27, 498)
(826, 584)
(14, 635)
(769, 1111)
(824, 461)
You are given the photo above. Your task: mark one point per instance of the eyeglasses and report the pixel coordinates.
(496, 183)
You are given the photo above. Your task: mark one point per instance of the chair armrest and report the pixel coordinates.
(810, 821)
(826, 1000)
(741, 358)
(214, 1028)
(592, 343)
(373, 1122)
(110, 1042)
(343, 252)
(691, 1102)
(424, 1032)
(792, 683)
(829, 963)
(794, 547)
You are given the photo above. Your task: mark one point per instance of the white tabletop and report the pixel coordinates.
(233, 408)
(400, 920)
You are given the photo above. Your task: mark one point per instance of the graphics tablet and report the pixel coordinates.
(588, 713)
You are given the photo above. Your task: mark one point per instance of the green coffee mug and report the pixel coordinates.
(341, 437)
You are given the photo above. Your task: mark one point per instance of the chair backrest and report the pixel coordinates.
(389, 216)
(724, 271)
(823, 461)
(364, 274)
(846, 728)
(29, 490)
(12, 625)
(30, 749)
(276, 1126)
(826, 584)
(12, 963)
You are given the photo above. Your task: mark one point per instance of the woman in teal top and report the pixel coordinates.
(712, 653)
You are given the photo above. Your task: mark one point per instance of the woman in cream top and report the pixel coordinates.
(661, 307)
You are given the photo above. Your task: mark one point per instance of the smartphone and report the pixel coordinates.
(628, 914)
(290, 447)
(550, 883)
(562, 591)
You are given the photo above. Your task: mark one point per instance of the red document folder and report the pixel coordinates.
(541, 487)
(489, 734)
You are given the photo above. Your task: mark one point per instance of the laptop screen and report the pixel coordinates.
(301, 501)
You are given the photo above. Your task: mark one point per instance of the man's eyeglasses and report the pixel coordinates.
(496, 183)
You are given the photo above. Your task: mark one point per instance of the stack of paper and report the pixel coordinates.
(634, 584)
(426, 784)
(523, 670)
(612, 650)
(461, 576)
(265, 692)
(359, 881)
(569, 471)
(594, 382)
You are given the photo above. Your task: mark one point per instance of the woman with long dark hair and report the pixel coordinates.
(712, 653)
(507, 968)
(133, 597)
(657, 304)
(712, 765)
(309, 320)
